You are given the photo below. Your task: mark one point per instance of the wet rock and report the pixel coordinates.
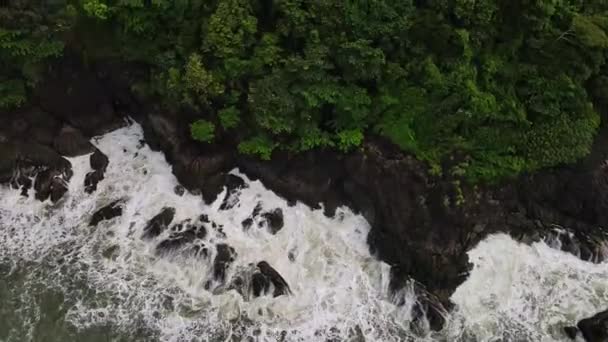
(360, 201)
(108, 212)
(200, 250)
(274, 220)
(233, 184)
(51, 183)
(212, 186)
(43, 156)
(595, 328)
(22, 180)
(204, 172)
(72, 143)
(260, 284)
(271, 276)
(159, 223)
(179, 190)
(429, 311)
(224, 257)
(247, 223)
(99, 161)
(179, 239)
(91, 180)
(571, 332)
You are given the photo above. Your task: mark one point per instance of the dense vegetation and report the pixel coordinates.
(505, 85)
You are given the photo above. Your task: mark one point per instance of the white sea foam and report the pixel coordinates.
(338, 287)
(109, 276)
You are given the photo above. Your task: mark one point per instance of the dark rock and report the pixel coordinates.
(42, 135)
(108, 212)
(200, 250)
(360, 201)
(280, 285)
(247, 223)
(91, 180)
(571, 332)
(180, 238)
(43, 156)
(51, 183)
(429, 308)
(299, 178)
(158, 223)
(233, 184)
(260, 284)
(179, 190)
(71, 143)
(21, 161)
(204, 218)
(595, 328)
(19, 126)
(224, 257)
(212, 186)
(22, 181)
(274, 220)
(99, 161)
(43, 127)
(8, 161)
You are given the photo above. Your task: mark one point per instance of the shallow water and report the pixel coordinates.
(61, 280)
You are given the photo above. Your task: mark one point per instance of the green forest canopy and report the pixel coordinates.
(506, 84)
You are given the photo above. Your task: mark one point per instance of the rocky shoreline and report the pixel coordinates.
(422, 224)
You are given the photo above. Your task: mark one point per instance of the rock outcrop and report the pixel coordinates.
(158, 223)
(593, 329)
(422, 224)
(107, 212)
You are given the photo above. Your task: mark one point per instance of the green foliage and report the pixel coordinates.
(96, 9)
(29, 37)
(260, 145)
(501, 83)
(229, 117)
(202, 130)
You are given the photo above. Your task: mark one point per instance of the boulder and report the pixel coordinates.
(571, 332)
(267, 275)
(39, 155)
(159, 223)
(51, 183)
(91, 180)
(179, 190)
(107, 212)
(274, 220)
(72, 143)
(224, 257)
(233, 184)
(99, 161)
(185, 233)
(595, 328)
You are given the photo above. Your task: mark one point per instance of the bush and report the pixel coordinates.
(202, 130)
(500, 82)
